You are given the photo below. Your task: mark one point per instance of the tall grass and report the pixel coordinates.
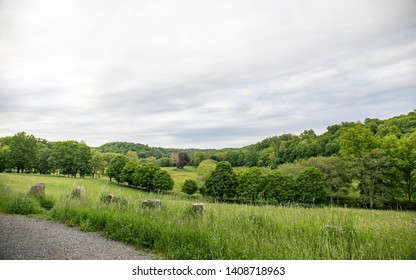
(230, 231)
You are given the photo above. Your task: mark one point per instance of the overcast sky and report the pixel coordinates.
(202, 74)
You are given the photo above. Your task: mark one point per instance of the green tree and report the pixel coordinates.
(223, 181)
(63, 157)
(189, 186)
(23, 151)
(44, 165)
(234, 157)
(164, 162)
(336, 173)
(97, 163)
(83, 159)
(310, 186)
(115, 167)
(5, 158)
(279, 187)
(71, 158)
(250, 184)
(402, 156)
(374, 176)
(127, 173)
(162, 181)
(357, 141)
(132, 156)
(144, 175)
(197, 158)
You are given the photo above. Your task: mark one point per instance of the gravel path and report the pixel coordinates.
(23, 238)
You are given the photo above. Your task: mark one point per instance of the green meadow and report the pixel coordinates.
(226, 231)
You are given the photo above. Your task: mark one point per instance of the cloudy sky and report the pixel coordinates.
(202, 74)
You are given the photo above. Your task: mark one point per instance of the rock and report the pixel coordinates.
(152, 203)
(78, 192)
(38, 189)
(199, 209)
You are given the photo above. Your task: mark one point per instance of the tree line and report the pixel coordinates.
(373, 162)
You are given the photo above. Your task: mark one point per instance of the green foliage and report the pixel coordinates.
(142, 151)
(310, 186)
(250, 184)
(98, 163)
(373, 175)
(127, 173)
(189, 187)
(22, 151)
(115, 167)
(162, 181)
(223, 181)
(5, 157)
(144, 175)
(44, 162)
(279, 187)
(164, 162)
(25, 205)
(46, 202)
(71, 157)
(228, 231)
(357, 141)
(205, 169)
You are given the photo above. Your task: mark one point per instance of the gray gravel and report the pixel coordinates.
(23, 238)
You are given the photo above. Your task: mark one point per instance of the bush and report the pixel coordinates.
(189, 186)
(25, 205)
(46, 202)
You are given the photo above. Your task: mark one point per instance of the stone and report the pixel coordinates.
(38, 189)
(78, 192)
(152, 203)
(199, 209)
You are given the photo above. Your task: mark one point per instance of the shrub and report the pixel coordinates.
(189, 186)
(46, 202)
(25, 205)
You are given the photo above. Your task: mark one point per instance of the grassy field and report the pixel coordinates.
(180, 175)
(227, 231)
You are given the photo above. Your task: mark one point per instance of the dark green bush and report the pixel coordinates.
(190, 187)
(46, 202)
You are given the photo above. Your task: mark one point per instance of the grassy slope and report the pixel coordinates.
(180, 175)
(228, 231)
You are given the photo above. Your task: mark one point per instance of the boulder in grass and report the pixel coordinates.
(199, 209)
(152, 203)
(38, 189)
(78, 192)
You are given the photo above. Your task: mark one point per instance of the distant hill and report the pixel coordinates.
(279, 149)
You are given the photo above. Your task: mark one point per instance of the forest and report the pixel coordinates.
(370, 164)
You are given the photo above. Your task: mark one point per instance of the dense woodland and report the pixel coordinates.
(360, 164)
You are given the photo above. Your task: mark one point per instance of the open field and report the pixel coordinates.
(180, 175)
(228, 231)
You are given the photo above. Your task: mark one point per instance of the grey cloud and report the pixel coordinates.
(200, 73)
